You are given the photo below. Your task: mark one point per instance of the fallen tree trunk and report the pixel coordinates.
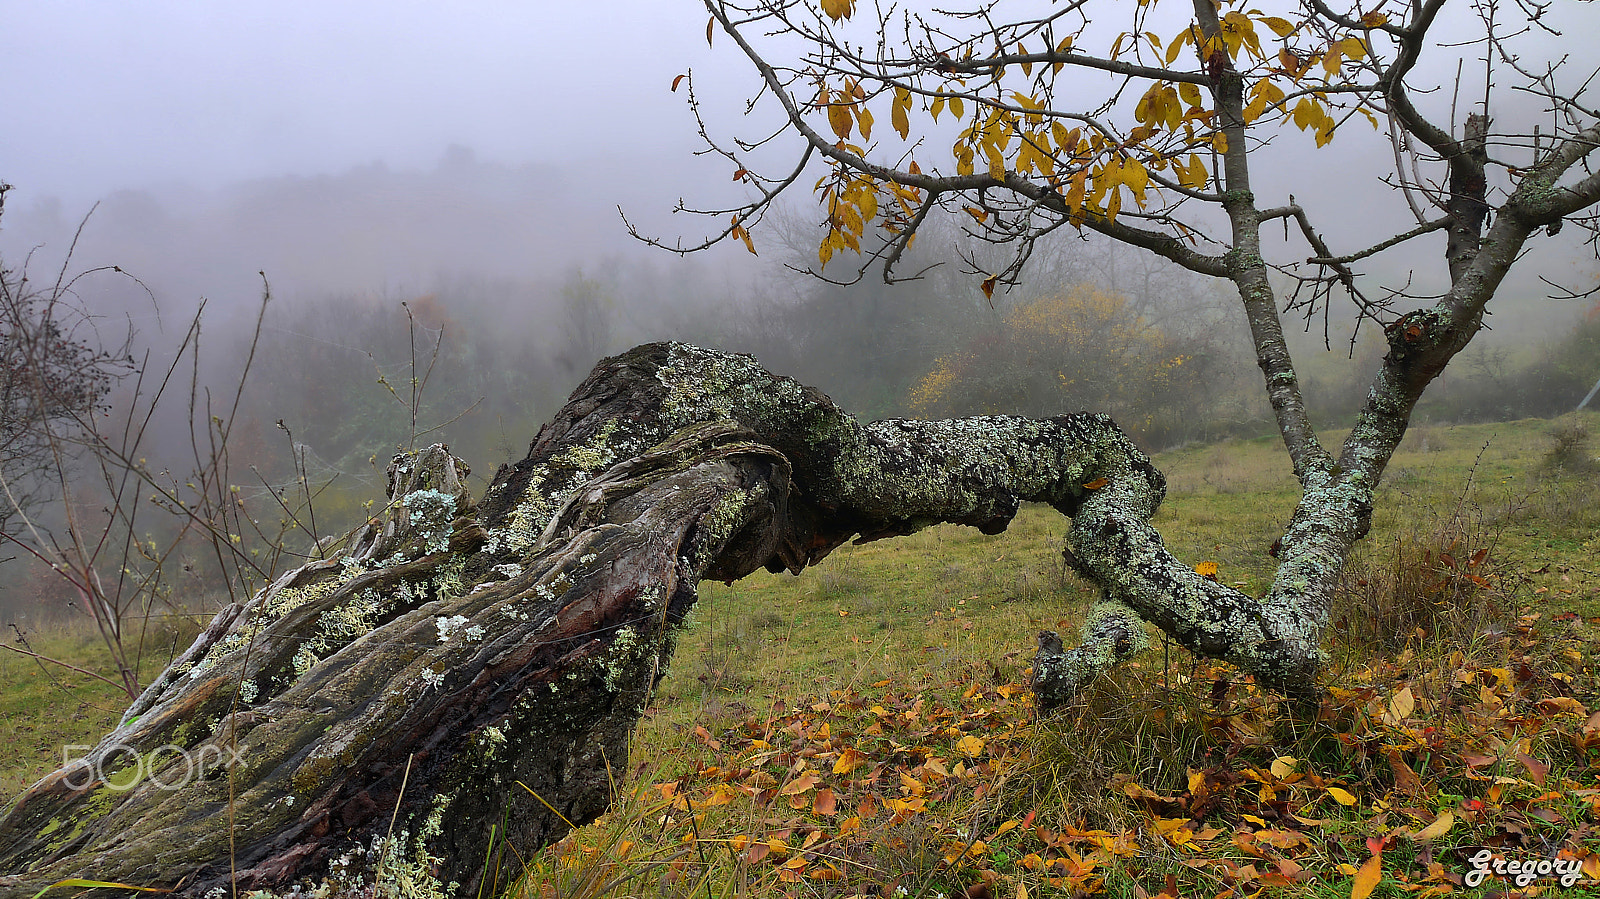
(459, 682)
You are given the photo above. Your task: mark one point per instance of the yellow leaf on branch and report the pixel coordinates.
(838, 10)
(898, 112)
(839, 117)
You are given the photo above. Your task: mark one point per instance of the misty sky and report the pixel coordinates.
(101, 96)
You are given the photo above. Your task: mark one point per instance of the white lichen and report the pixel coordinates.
(447, 624)
(430, 513)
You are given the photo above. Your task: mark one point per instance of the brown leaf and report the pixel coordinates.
(825, 804)
(1405, 780)
(675, 82)
(1537, 770)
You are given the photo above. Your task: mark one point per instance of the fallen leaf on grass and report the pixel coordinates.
(1437, 829)
(1342, 796)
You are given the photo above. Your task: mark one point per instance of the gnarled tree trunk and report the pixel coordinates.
(460, 679)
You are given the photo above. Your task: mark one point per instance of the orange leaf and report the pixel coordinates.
(1097, 483)
(1366, 879)
(824, 804)
(800, 784)
(675, 82)
(849, 760)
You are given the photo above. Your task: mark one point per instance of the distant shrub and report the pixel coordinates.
(1570, 447)
(1084, 349)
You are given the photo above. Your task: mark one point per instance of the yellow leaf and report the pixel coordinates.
(997, 163)
(1135, 177)
(1342, 796)
(897, 115)
(936, 108)
(864, 120)
(868, 201)
(849, 760)
(840, 119)
(838, 10)
(1440, 826)
(1141, 110)
(1367, 878)
(1331, 59)
(970, 746)
(1282, 766)
(1176, 47)
(957, 107)
(1306, 113)
(1400, 708)
(1280, 27)
(964, 159)
(1374, 20)
(1194, 174)
(1190, 93)
(1354, 48)
(1219, 142)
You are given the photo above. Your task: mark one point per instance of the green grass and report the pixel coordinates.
(46, 708)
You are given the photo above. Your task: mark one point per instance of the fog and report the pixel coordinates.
(471, 161)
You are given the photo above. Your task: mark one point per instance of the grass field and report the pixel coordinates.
(862, 728)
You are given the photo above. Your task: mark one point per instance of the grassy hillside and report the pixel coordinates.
(862, 728)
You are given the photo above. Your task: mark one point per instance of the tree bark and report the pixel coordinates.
(463, 678)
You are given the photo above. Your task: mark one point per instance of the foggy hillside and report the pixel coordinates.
(497, 286)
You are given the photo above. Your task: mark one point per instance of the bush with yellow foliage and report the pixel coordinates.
(1083, 348)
